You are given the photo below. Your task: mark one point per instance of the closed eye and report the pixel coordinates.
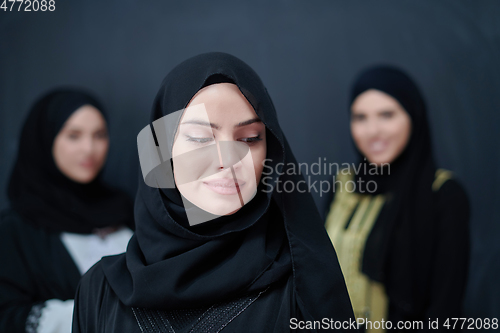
(101, 135)
(358, 117)
(199, 140)
(74, 135)
(252, 140)
(387, 114)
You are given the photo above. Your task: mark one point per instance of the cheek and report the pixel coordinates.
(102, 149)
(194, 164)
(64, 152)
(178, 148)
(400, 131)
(182, 147)
(258, 157)
(357, 134)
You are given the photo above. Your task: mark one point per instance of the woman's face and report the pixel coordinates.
(380, 127)
(219, 149)
(81, 146)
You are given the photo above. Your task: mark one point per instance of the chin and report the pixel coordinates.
(222, 208)
(233, 212)
(83, 179)
(378, 160)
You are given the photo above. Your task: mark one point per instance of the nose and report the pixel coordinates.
(231, 153)
(88, 145)
(372, 128)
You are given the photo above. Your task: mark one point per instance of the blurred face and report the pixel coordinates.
(219, 150)
(80, 148)
(380, 127)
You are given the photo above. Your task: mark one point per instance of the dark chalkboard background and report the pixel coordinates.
(306, 52)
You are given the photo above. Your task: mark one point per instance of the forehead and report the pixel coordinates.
(373, 100)
(223, 100)
(86, 116)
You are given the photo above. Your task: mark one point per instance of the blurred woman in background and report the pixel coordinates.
(62, 218)
(401, 232)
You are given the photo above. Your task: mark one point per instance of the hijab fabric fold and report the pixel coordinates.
(398, 250)
(276, 236)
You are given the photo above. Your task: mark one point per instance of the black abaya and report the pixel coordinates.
(419, 245)
(35, 265)
(248, 272)
(41, 193)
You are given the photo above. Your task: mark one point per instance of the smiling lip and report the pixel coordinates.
(225, 186)
(377, 147)
(87, 164)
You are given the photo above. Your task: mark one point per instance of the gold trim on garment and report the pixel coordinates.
(350, 221)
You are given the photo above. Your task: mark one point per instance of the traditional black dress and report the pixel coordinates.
(37, 268)
(403, 244)
(252, 271)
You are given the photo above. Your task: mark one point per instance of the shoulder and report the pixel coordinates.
(89, 300)
(346, 174)
(12, 221)
(16, 231)
(94, 285)
(449, 190)
(13, 229)
(9, 219)
(452, 203)
(93, 282)
(91, 289)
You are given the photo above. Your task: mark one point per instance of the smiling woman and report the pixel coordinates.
(62, 218)
(259, 260)
(81, 146)
(404, 244)
(224, 192)
(380, 126)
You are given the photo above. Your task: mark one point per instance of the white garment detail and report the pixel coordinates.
(57, 317)
(86, 250)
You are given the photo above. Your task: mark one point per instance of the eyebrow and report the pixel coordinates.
(215, 126)
(200, 122)
(378, 111)
(248, 122)
(79, 129)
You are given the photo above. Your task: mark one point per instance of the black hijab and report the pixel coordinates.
(170, 265)
(41, 193)
(398, 249)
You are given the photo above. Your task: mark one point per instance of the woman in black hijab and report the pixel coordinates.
(62, 218)
(262, 267)
(401, 229)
